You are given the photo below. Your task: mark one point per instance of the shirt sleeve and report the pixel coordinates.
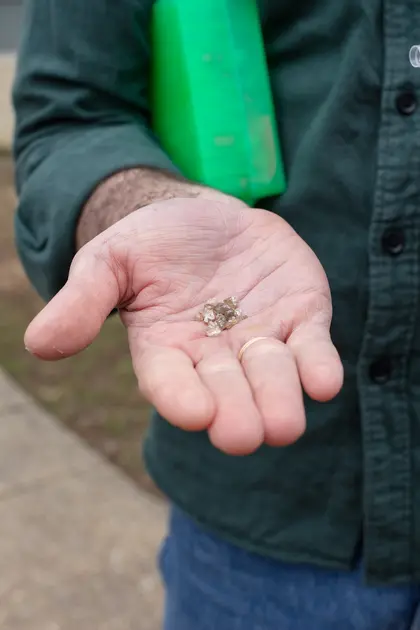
(82, 114)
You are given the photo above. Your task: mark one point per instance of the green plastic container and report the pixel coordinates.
(211, 100)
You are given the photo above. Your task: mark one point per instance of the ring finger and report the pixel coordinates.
(274, 381)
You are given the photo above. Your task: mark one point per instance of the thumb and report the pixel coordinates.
(74, 317)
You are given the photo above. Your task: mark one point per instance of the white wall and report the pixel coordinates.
(7, 69)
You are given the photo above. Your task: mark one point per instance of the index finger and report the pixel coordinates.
(168, 380)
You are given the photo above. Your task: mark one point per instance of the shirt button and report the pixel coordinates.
(380, 370)
(406, 103)
(393, 241)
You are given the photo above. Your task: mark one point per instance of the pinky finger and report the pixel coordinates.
(319, 365)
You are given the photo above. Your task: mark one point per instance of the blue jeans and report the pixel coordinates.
(213, 585)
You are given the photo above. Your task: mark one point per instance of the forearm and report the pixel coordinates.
(130, 190)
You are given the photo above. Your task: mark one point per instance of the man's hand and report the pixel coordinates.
(159, 265)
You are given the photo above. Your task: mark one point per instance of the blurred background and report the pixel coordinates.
(94, 394)
(78, 540)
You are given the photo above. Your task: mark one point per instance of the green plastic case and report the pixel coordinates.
(211, 100)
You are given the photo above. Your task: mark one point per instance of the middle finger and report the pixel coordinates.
(237, 426)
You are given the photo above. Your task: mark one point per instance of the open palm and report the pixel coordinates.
(159, 266)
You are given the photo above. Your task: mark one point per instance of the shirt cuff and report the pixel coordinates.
(54, 193)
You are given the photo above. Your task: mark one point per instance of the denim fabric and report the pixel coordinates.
(213, 585)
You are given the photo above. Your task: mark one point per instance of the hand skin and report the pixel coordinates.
(158, 264)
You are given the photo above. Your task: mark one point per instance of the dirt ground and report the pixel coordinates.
(95, 393)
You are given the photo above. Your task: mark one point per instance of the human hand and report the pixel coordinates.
(159, 266)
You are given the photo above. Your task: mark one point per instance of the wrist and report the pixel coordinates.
(127, 191)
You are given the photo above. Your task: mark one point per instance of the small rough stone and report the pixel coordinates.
(219, 316)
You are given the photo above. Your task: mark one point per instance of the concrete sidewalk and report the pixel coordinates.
(77, 539)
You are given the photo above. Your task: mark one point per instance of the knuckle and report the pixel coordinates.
(318, 308)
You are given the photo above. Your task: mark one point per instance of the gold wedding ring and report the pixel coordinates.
(248, 344)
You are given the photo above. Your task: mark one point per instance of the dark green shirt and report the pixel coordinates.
(345, 97)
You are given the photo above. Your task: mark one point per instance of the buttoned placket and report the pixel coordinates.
(394, 280)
